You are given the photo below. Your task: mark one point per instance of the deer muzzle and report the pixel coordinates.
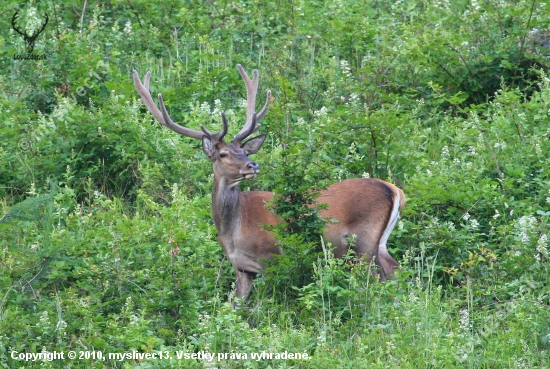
(251, 170)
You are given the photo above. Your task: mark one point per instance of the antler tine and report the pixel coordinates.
(251, 117)
(146, 98)
(161, 116)
(251, 91)
(13, 20)
(36, 33)
(251, 129)
(221, 134)
(264, 110)
(176, 127)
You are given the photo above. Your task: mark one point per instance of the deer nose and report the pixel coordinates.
(252, 165)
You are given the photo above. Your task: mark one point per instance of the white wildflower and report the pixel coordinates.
(542, 244)
(32, 190)
(354, 99)
(464, 323)
(322, 338)
(44, 321)
(413, 298)
(321, 112)
(217, 108)
(525, 224)
(346, 70)
(61, 325)
(205, 108)
(538, 150)
(445, 153)
(128, 28)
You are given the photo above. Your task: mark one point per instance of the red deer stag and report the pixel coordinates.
(366, 208)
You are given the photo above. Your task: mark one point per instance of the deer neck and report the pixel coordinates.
(226, 207)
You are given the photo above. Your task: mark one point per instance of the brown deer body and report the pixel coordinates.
(365, 210)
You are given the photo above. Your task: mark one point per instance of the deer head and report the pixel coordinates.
(230, 160)
(29, 39)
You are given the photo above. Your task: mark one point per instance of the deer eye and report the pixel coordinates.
(223, 155)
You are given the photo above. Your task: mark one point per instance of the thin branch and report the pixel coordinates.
(56, 18)
(443, 68)
(467, 211)
(500, 22)
(31, 280)
(5, 298)
(499, 172)
(82, 15)
(463, 60)
(219, 273)
(522, 45)
(135, 12)
(141, 289)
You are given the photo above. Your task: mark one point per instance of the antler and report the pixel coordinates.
(36, 33)
(161, 116)
(30, 40)
(24, 34)
(13, 19)
(251, 117)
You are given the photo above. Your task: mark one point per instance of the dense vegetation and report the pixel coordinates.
(106, 238)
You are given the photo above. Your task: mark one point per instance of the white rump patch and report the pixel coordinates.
(391, 223)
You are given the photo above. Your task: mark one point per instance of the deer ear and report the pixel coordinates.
(254, 144)
(208, 146)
